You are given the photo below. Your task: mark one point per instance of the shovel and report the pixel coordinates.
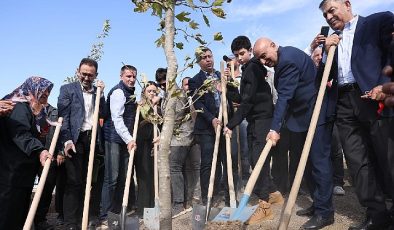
(286, 214)
(85, 216)
(201, 214)
(121, 221)
(152, 215)
(41, 183)
(230, 179)
(243, 213)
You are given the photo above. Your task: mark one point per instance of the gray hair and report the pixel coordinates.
(324, 2)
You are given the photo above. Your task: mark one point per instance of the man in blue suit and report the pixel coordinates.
(207, 121)
(296, 84)
(76, 104)
(364, 127)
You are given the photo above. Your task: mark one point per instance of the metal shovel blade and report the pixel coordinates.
(152, 218)
(198, 216)
(227, 213)
(115, 222)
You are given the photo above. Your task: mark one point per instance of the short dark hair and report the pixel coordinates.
(240, 42)
(185, 78)
(323, 2)
(89, 62)
(161, 74)
(129, 67)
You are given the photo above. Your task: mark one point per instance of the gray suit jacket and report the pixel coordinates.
(71, 107)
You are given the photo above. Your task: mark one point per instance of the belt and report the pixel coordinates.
(348, 87)
(86, 132)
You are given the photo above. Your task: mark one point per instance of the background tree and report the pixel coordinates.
(96, 52)
(165, 10)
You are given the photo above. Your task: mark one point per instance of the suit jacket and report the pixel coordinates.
(206, 103)
(71, 107)
(370, 49)
(19, 147)
(295, 76)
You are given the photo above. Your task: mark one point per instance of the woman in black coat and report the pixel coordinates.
(21, 151)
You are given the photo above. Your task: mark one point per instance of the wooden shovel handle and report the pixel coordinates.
(43, 178)
(131, 160)
(285, 218)
(215, 154)
(85, 216)
(228, 139)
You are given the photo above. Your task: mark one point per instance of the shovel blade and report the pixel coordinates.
(227, 213)
(114, 222)
(198, 216)
(152, 218)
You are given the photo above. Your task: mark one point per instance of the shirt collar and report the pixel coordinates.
(351, 25)
(91, 90)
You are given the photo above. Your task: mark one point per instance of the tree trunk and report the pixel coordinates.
(168, 124)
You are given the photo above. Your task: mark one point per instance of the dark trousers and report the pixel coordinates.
(337, 158)
(365, 141)
(144, 171)
(184, 170)
(257, 132)
(14, 206)
(319, 171)
(56, 177)
(207, 143)
(280, 162)
(285, 162)
(76, 173)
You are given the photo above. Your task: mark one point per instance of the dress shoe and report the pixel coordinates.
(306, 212)
(368, 224)
(318, 222)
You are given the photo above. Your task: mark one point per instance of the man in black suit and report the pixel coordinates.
(76, 105)
(207, 121)
(364, 127)
(296, 84)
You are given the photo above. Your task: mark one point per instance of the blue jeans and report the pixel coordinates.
(116, 161)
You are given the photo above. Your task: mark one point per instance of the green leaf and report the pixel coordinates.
(218, 36)
(183, 16)
(199, 40)
(194, 25)
(218, 12)
(177, 93)
(157, 9)
(179, 45)
(218, 3)
(206, 20)
(160, 41)
(191, 4)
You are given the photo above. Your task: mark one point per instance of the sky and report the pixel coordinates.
(49, 38)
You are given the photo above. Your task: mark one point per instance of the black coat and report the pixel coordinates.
(19, 147)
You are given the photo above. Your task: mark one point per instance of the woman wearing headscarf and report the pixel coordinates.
(21, 150)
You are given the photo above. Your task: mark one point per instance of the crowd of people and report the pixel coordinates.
(355, 124)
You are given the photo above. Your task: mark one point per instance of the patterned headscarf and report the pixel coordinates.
(35, 86)
(31, 91)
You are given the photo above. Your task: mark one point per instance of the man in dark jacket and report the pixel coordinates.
(257, 107)
(76, 104)
(207, 121)
(295, 81)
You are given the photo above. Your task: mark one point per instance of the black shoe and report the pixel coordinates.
(306, 212)
(43, 226)
(318, 222)
(368, 224)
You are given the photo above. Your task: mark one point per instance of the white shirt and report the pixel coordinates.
(345, 74)
(87, 123)
(118, 101)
